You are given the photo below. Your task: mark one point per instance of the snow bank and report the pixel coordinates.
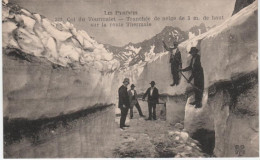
(231, 48)
(230, 111)
(229, 58)
(59, 42)
(51, 68)
(36, 89)
(227, 50)
(7, 33)
(197, 118)
(132, 48)
(191, 35)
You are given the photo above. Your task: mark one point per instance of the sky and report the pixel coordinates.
(119, 36)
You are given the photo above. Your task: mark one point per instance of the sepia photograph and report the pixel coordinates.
(130, 79)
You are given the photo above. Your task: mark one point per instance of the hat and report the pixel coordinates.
(132, 85)
(193, 50)
(126, 80)
(152, 82)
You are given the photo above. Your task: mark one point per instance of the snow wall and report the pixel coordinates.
(51, 68)
(229, 56)
(226, 51)
(42, 80)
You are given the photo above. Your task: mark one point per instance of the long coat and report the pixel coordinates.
(176, 62)
(154, 98)
(123, 97)
(196, 71)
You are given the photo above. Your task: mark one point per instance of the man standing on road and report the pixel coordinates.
(176, 62)
(134, 102)
(153, 99)
(124, 103)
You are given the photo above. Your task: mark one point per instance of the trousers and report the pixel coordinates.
(124, 112)
(199, 83)
(152, 110)
(136, 104)
(175, 74)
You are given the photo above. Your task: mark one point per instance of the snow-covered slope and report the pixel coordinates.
(227, 50)
(51, 69)
(197, 30)
(59, 42)
(229, 56)
(132, 54)
(135, 53)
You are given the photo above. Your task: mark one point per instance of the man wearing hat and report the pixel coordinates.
(153, 99)
(123, 103)
(134, 102)
(198, 75)
(176, 62)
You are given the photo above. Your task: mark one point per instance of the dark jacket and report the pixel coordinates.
(154, 97)
(123, 97)
(196, 68)
(132, 97)
(175, 60)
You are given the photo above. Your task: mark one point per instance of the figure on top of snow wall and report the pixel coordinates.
(175, 60)
(197, 74)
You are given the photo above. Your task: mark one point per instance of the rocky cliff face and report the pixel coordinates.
(240, 4)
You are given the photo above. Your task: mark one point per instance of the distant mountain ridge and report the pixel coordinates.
(134, 53)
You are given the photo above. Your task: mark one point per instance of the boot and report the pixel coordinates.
(148, 119)
(193, 103)
(198, 105)
(173, 84)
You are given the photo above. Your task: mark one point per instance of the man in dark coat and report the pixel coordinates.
(198, 75)
(134, 102)
(176, 62)
(124, 103)
(153, 99)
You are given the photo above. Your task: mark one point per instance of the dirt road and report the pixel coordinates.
(156, 138)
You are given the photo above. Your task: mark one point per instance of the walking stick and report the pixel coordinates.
(191, 83)
(164, 103)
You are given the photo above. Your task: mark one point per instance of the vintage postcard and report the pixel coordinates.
(130, 78)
